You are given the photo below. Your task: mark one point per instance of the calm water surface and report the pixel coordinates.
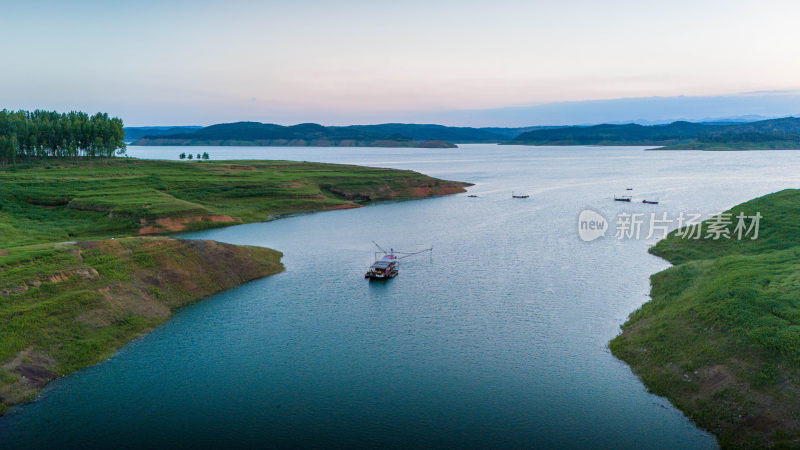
(497, 339)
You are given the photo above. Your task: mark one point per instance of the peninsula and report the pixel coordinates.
(65, 199)
(721, 336)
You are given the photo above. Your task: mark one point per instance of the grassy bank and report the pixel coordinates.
(721, 336)
(50, 201)
(69, 305)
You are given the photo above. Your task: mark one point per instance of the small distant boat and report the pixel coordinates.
(628, 189)
(519, 195)
(472, 196)
(650, 202)
(622, 198)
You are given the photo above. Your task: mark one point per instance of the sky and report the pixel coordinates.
(338, 62)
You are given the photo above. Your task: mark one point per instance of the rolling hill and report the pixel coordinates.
(306, 134)
(765, 134)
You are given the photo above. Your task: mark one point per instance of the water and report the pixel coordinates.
(496, 339)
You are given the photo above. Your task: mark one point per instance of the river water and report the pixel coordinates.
(498, 338)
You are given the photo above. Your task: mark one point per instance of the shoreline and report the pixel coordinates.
(83, 301)
(718, 336)
(65, 200)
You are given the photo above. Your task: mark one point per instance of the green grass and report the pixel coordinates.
(67, 306)
(721, 336)
(777, 231)
(50, 201)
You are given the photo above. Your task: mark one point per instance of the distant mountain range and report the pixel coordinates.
(763, 134)
(308, 134)
(388, 134)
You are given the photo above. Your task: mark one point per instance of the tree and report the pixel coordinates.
(190, 156)
(205, 155)
(48, 134)
(182, 156)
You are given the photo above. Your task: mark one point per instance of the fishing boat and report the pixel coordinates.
(519, 195)
(472, 196)
(650, 202)
(628, 189)
(384, 268)
(622, 198)
(387, 264)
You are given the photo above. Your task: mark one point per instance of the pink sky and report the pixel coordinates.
(161, 62)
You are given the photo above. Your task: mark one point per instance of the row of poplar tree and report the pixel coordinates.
(49, 134)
